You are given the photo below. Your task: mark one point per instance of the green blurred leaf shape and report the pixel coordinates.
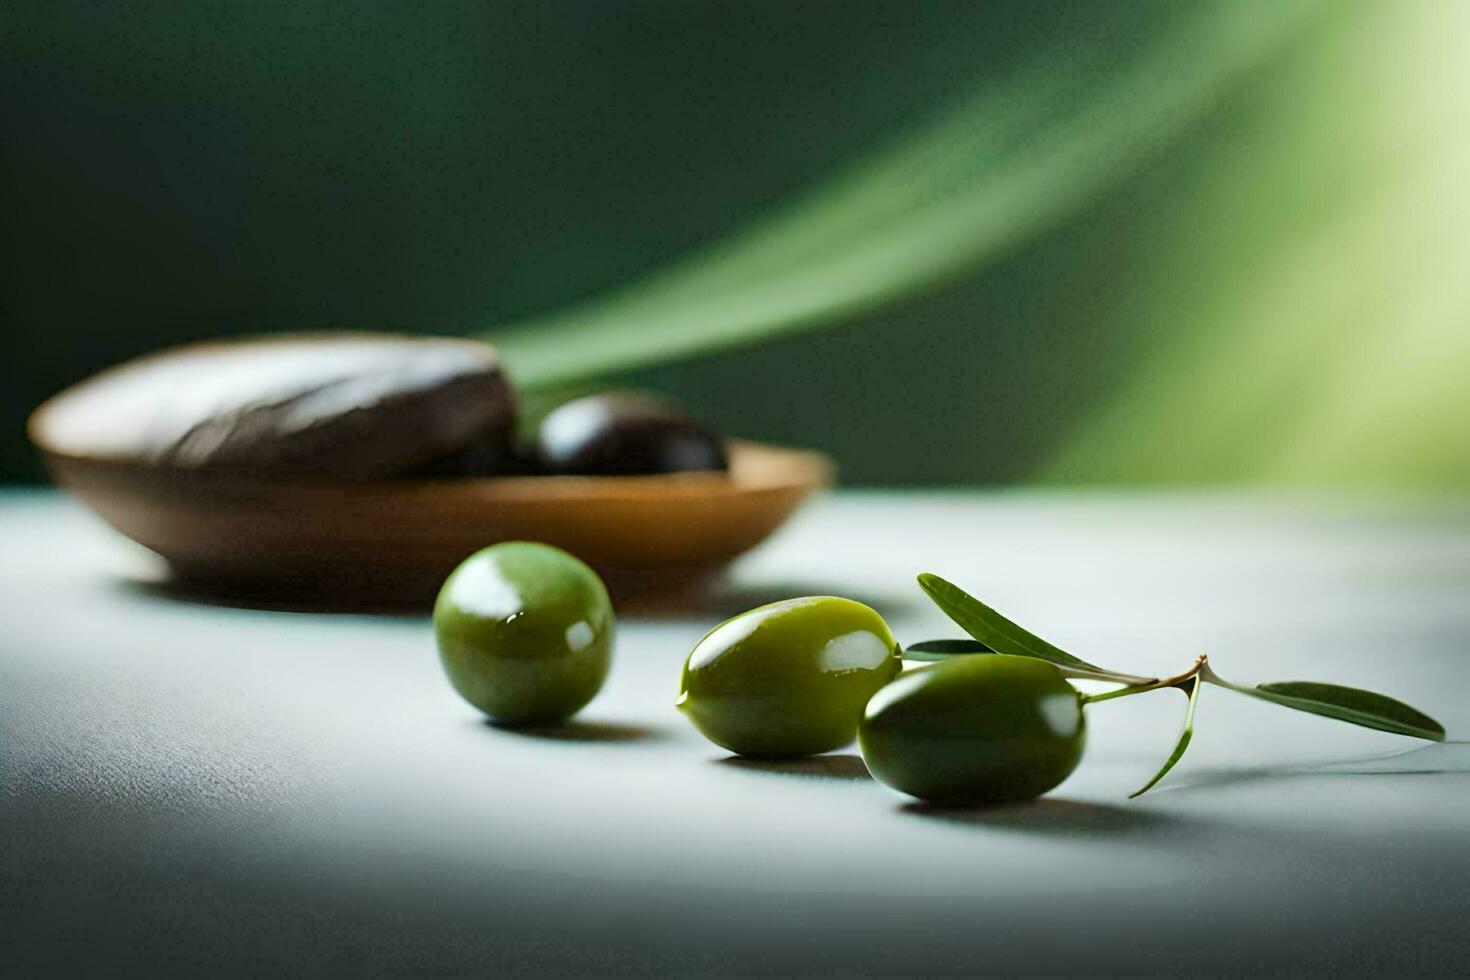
(992, 629)
(1351, 705)
(986, 176)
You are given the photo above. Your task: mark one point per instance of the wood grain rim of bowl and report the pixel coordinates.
(399, 538)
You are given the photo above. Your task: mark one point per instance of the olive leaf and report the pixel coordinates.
(932, 650)
(1185, 737)
(992, 629)
(1352, 705)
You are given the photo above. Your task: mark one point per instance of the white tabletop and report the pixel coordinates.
(242, 790)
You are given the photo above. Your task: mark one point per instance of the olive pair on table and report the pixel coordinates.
(805, 675)
(993, 720)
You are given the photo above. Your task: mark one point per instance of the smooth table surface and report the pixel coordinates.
(189, 786)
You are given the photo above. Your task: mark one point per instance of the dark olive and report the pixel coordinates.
(346, 406)
(984, 728)
(525, 632)
(624, 434)
(788, 679)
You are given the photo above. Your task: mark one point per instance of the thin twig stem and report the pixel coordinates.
(1150, 684)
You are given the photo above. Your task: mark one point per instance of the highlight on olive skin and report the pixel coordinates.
(525, 632)
(790, 678)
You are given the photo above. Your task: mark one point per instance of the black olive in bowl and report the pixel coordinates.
(624, 434)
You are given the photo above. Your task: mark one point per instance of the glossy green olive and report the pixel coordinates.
(525, 632)
(790, 678)
(985, 728)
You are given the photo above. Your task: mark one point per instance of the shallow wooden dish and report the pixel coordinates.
(398, 539)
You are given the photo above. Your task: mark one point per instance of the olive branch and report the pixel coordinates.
(992, 633)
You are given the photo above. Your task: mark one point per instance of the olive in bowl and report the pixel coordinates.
(624, 434)
(987, 728)
(525, 632)
(789, 678)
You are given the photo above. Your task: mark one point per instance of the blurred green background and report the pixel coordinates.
(1124, 242)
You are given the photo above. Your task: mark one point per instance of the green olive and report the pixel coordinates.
(525, 632)
(790, 678)
(984, 728)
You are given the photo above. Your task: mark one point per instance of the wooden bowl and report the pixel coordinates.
(396, 540)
